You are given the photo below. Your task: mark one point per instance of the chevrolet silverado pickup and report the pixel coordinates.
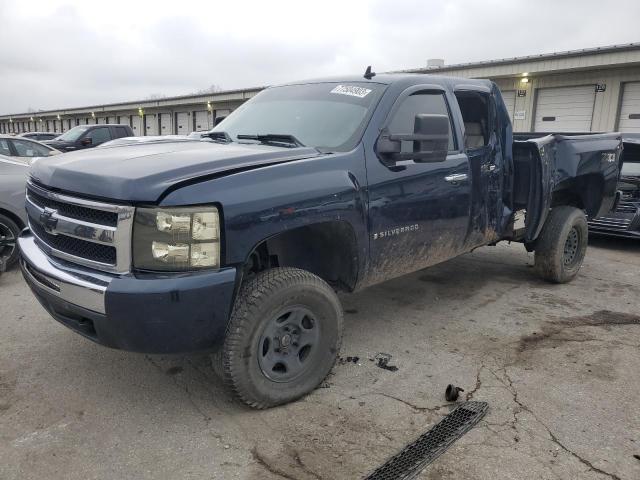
(237, 244)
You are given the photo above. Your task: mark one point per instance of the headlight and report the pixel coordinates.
(176, 239)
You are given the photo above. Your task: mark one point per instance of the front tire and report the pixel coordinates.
(283, 338)
(562, 244)
(9, 232)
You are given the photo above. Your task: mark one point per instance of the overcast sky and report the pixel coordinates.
(58, 54)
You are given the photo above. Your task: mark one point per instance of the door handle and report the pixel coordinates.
(456, 178)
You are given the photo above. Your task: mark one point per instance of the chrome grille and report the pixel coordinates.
(93, 234)
(75, 211)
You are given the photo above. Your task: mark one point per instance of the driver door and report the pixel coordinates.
(418, 212)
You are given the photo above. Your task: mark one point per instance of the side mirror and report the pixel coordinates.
(86, 141)
(430, 139)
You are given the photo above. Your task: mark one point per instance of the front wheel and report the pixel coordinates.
(562, 244)
(9, 232)
(283, 337)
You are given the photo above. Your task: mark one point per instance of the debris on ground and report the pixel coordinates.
(343, 360)
(452, 392)
(412, 459)
(383, 360)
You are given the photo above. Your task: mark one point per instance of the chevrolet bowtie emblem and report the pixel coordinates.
(47, 219)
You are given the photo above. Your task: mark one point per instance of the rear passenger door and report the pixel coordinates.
(485, 146)
(418, 212)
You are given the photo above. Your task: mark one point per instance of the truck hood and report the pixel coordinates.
(142, 173)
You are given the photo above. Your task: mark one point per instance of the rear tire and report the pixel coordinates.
(283, 338)
(562, 244)
(10, 231)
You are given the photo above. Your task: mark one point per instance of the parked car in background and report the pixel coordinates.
(39, 136)
(13, 217)
(625, 220)
(24, 147)
(87, 136)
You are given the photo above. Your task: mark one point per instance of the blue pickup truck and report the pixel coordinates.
(238, 243)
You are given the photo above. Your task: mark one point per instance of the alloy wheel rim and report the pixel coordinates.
(7, 241)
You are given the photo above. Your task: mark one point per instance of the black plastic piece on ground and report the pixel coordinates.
(413, 458)
(383, 360)
(451, 393)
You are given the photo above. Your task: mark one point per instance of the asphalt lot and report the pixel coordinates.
(559, 366)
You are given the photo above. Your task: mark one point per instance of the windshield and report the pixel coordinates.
(328, 116)
(73, 134)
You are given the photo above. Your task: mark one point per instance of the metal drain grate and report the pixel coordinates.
(412, 459)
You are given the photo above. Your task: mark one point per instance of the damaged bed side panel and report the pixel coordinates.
(576, 170)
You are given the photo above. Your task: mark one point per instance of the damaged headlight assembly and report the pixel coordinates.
(176, 239)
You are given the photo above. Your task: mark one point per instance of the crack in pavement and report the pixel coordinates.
(435, 409)
(263, 462)
(279, 471)
(478, 384)
(514, 392)
(303, 467)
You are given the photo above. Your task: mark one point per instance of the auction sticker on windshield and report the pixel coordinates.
(352, 91)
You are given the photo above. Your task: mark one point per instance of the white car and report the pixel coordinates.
(13, 217)
(24, 147)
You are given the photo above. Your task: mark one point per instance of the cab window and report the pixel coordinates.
(99, 135)
(403, 120)
(25, 148)
(4, 147)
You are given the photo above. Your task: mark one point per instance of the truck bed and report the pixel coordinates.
(550, 169)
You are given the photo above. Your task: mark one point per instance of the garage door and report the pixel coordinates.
(124, 120)
(629, 120)
(202, 121)
(112, 120)
(136, 125)
(509, 97)
(182, 121)
(566, 109)
(165, 124)
(152, 124)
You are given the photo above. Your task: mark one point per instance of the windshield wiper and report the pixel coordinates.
(274, 139)
(220, 137)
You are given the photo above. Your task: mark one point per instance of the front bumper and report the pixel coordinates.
(149, 313)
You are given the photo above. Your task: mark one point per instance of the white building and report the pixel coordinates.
(595, 89)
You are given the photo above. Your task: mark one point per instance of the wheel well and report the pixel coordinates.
(584, 192)
(327, 249)
(13, 217)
